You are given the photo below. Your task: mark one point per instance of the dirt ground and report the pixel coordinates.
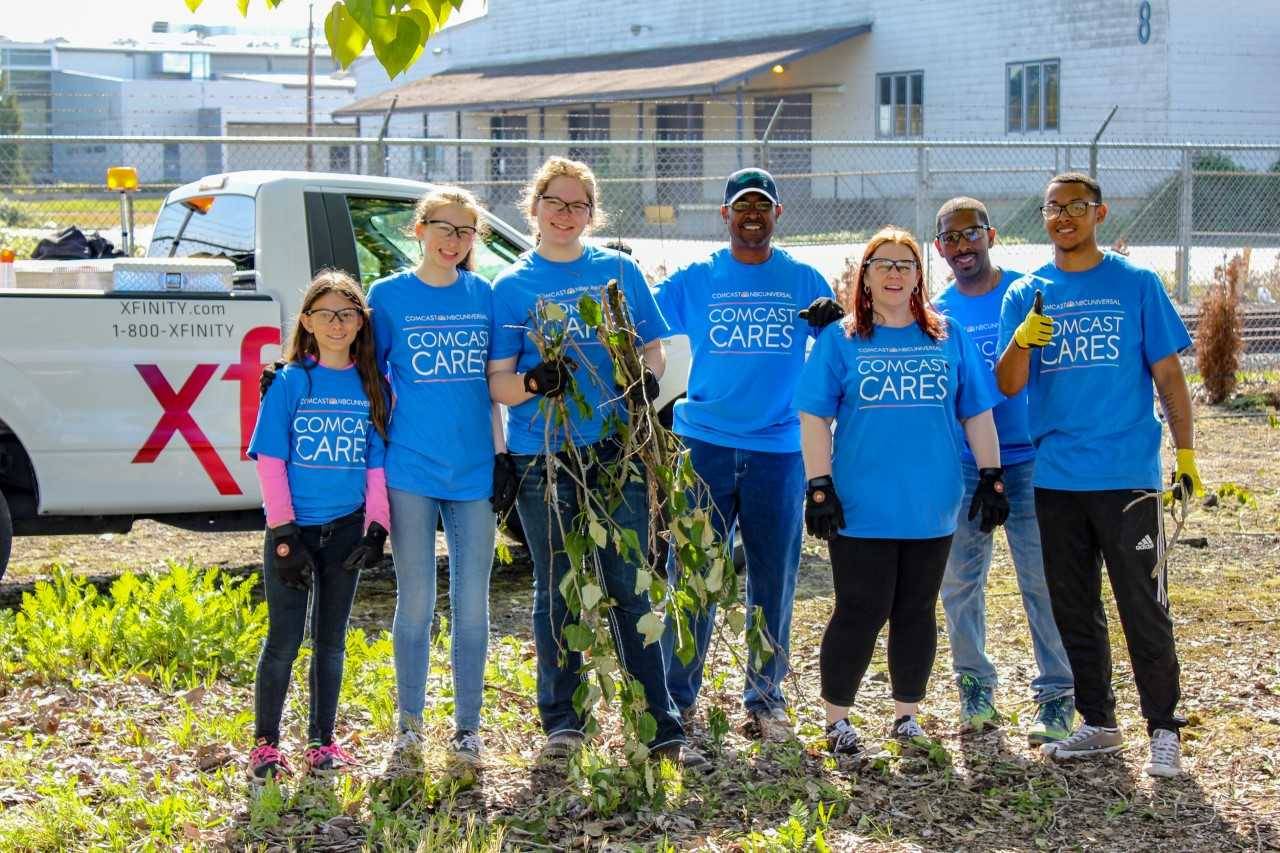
(992, 792)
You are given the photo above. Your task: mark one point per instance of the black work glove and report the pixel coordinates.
(823, 513)
(268, 376)
(822, 312)
(368, 551)
(645, 391)
(989, 499)
(506, 482)
(550, 378)
(294, 563)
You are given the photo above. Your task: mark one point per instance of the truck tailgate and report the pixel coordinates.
(136, 402)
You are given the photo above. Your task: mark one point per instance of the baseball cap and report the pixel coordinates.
(750, 180)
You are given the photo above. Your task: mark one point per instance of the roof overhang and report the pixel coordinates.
(686, 70)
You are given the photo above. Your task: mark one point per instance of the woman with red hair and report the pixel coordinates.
(905, 387)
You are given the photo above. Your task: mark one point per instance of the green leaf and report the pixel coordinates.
(737, 619)
(715, 577)
(589, 309)
(598, 534)
(686, 648)
(578, 637)
(646, 727)
(650, 627)
(192, 5)
(643, 578)
(243, 6)
(346, 38)
(591, 595)
(403, 49)
(553, 312)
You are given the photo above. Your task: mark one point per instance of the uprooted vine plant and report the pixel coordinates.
(679, 518)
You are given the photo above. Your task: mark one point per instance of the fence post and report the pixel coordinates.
(1185, 208)
(922, 194)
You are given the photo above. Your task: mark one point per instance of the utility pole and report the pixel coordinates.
(311, 83)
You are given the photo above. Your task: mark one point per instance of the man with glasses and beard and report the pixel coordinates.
(744, 310)
(1091, 346)
(964, 240)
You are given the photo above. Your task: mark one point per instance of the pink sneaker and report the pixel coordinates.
(266, 762)
(327, 759)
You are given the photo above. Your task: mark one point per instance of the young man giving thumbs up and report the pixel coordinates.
(1089, 356)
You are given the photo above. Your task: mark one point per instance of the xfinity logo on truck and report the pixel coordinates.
(176, 407)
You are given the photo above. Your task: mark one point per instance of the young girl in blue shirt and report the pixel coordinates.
(446, 459)
(318, 443)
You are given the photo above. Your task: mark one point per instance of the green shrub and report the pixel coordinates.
(183, 628)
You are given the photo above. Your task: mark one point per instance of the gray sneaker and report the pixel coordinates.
(467, 747)
(560, 746)
(1165, 760)
(773, 725)
(1086, 742)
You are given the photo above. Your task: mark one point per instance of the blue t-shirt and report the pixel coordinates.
(898, 399)
(980, 318)
(317, 420)
(748, 347)
(434, 344)
(516, 293)
(1090, 390)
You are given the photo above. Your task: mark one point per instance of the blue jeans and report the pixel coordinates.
(558, 667)
(763, 494)
(964, 588)
(333, 588)
(469, 528)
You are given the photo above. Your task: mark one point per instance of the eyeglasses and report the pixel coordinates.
(743, 206)
(973, 234)
(448, 229)
(1074, 209)
(347, 316)
(559, 205)
(884, 265)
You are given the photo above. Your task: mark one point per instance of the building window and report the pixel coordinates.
(1032, 96)
(586, 125)
(339, 158)
(795, 123)
(682, 120)
(508, 166)
(900, 104)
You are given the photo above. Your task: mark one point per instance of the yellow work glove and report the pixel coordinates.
(1037, 329)
(1185, 473)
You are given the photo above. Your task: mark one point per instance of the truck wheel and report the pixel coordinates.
(6, 535)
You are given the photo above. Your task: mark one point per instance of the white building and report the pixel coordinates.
(171, 84)
(586, 70)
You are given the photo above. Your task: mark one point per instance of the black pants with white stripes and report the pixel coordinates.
(1079, 531)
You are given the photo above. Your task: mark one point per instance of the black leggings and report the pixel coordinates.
(878, 581)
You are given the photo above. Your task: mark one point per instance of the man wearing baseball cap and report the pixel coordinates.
(741, 309)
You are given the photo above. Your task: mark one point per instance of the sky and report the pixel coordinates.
(106, 20)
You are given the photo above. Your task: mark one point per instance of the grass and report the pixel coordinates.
(125, 719)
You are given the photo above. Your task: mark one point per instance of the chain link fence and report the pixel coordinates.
(1183, 210)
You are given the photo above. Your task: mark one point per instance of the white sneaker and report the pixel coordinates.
(406, 754)
(1165, 760)
(1085, 742)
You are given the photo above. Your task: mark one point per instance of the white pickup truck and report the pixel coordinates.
(118, 404)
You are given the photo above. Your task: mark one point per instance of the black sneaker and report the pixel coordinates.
(844, 744)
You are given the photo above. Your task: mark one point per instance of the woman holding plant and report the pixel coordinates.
(564, 416)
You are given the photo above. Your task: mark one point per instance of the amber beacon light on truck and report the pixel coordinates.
(124, 180)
